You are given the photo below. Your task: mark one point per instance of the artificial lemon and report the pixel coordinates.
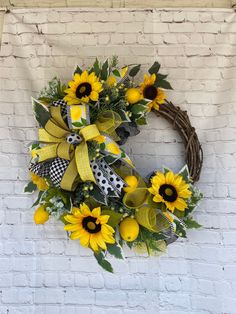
(133, 95)
(132, 182)
(129, 229)
(41, 215)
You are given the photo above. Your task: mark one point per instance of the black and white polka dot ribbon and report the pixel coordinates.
(106, 178)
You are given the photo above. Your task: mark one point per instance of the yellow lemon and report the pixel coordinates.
(133, 95)
(111, 81)
(41, 215)
(132, 182)
(129, 229)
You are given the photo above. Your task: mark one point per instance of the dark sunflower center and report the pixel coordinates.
(89, 224)
(168, 192)
(150, 92)
(83, 90)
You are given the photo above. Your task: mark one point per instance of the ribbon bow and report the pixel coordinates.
(54, 133)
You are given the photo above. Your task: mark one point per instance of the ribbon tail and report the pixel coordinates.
(83, 163)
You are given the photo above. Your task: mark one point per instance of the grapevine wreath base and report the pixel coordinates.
(86, 179)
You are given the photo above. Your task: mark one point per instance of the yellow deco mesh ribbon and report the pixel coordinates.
(108, 122)
(147, 216)
(54, 135)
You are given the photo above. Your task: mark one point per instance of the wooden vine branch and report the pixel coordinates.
(193, 150)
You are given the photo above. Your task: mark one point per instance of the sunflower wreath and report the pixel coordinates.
(86, 180)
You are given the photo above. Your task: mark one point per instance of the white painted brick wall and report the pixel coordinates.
(40, 270)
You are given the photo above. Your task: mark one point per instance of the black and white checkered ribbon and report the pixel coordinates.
(62, 104)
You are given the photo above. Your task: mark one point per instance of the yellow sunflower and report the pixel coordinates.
(149, 91)
(83, 88)
(170, 189)
(90, 227)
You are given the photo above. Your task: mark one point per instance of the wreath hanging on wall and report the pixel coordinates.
(86, 180)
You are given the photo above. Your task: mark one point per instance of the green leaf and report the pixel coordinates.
(141, 121)
(30, 187)
(38, 198)
(136, 109)
(84, 121)
(95, 68)
(110, 159)
(180, 229)
(78, 70)
(115, 250)
(184, 172)
(41, 112)
(98, 195)
(123, 116)
(163, 83)
(161, 76)
(104, 71)
(114, 219)
(134, 71)
(123, 155)
(116, 72)
(103, 262)
(191, 223)
(77, 124)
(154, 68)
(102, 146)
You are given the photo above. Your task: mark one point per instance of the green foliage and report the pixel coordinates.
(38, 198)
(150, 239)
(114, 219)
(78, 70)
(41, 113)
(104, 71)
(141, 121)
(137, 109)
(115, 250)
(180, 229)
(134, 71)
(103, 262)
(30, 187)
(98, 195)
(53, 92)
(193, 201)
(114, 62)
(154, 68)
(191, 223)
(163, 84)
(184, 172)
